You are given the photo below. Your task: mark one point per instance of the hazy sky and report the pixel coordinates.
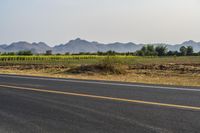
(140, 21)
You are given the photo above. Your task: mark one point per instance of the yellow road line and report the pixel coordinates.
(104, 97)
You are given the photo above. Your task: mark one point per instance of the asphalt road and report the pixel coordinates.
(50, 105)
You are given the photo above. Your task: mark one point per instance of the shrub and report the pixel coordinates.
(25, 53)
(161, 50)
(112, 65)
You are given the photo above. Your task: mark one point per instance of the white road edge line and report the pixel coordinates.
(102, 83)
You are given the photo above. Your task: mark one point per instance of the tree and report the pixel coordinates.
(161, 50)
(190, 50)
(25, 52)
(140, 53)
(170, 53)
(173, 53)
(67, 53)
(49, 52)
(9, 53)
(198, 53)
(144, 49)
(183, 50)
(147, 50)
(110, 52)
(150, 50)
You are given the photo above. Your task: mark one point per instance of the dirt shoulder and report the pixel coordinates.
(170, 74)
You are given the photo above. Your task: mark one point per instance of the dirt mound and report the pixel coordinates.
(34, 66)
(100, 68)
(174, 67)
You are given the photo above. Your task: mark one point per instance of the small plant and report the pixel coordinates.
(112, 65)
(108, 65)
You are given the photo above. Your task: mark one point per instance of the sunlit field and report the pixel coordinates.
(171, 70)
(66, 60)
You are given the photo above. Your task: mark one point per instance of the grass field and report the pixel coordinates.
(93, 59)
(48, 60)
(184, 70)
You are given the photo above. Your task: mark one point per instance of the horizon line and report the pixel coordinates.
(78, 38)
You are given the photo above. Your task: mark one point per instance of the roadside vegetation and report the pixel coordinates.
(148, 65)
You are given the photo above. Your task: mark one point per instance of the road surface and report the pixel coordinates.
(51, 105)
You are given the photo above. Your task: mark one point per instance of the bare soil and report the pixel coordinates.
(169, 74)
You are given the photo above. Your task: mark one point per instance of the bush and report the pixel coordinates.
(183, 51)
(147, 50)
(108, 65)
(9, 53)
(161, 50)
(190, 50)
(24, 53)
(112, 65)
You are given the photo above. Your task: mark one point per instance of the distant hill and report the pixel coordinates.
(2, 50)
(195, 45)
(17, 46)
(78, 45)
(3, 46)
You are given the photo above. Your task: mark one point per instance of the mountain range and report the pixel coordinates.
(79, 45)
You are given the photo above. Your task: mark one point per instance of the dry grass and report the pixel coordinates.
(183, 71)
(141, 76)
(109, 65)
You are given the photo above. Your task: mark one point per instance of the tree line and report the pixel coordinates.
(23, 52)
(147, 50)
(151, 50)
